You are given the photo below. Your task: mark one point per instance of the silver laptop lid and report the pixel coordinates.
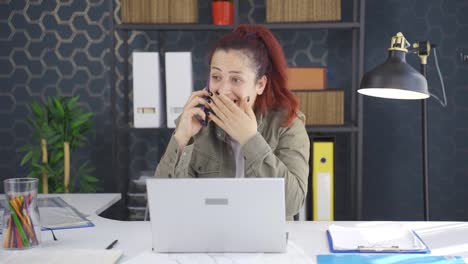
(217, 215)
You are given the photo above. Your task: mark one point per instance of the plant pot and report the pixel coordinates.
(223, 12)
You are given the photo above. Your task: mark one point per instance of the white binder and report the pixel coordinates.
(147, 101)
(179, 84)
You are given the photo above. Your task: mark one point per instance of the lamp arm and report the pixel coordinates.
(422, 49)
(444, 103)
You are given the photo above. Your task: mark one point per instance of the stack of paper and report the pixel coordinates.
(382, 238)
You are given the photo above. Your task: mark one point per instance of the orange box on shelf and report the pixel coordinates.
(307, 78)
(322, 107)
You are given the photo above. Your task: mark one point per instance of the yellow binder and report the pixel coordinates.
(322, 181)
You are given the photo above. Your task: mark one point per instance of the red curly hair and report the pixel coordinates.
(266, 55)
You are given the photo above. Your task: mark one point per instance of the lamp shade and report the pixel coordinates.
(394, 79)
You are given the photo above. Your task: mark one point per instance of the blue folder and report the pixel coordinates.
(378, 250)
(388, 259)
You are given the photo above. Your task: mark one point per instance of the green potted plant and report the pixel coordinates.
(60, 128)
(223, 12)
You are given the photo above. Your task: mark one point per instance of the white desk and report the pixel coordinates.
(443, 238)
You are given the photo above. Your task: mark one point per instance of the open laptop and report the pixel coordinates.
(217, 215)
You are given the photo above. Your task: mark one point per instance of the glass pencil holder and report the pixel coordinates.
(21, 222)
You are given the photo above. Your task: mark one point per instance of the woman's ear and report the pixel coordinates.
(261, 84)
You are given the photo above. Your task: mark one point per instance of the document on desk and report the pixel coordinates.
(388, 259)
(57, 214)
(294, 254)
(393, 238)
(73, 256)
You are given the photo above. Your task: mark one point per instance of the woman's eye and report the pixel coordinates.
(236, 80)
(216, 78)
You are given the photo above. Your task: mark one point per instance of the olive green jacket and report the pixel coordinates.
(274, 151)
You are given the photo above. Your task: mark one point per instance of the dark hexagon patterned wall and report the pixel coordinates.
(50, 48)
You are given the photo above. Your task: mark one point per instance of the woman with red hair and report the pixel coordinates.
(250, 125)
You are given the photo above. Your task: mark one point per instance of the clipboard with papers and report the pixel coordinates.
(389, 238)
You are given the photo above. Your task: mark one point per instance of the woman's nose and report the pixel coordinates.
(223, 88)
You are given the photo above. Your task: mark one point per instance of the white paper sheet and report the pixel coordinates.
(294, 254)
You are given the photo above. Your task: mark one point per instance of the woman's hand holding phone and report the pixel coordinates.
(189, 123)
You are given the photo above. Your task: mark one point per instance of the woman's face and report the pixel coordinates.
(233, 74)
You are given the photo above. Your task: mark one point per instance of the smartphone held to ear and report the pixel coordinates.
(204, 122)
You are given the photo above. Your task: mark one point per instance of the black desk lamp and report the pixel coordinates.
(396, 79)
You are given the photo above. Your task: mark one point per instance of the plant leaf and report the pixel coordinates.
(24, 148)
(26, 157)
(56, 157)
(37, 109)
(78, 123)
(72, 102)
(59, 107)
(92, 179)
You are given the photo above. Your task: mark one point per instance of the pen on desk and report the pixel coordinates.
(112, 244)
